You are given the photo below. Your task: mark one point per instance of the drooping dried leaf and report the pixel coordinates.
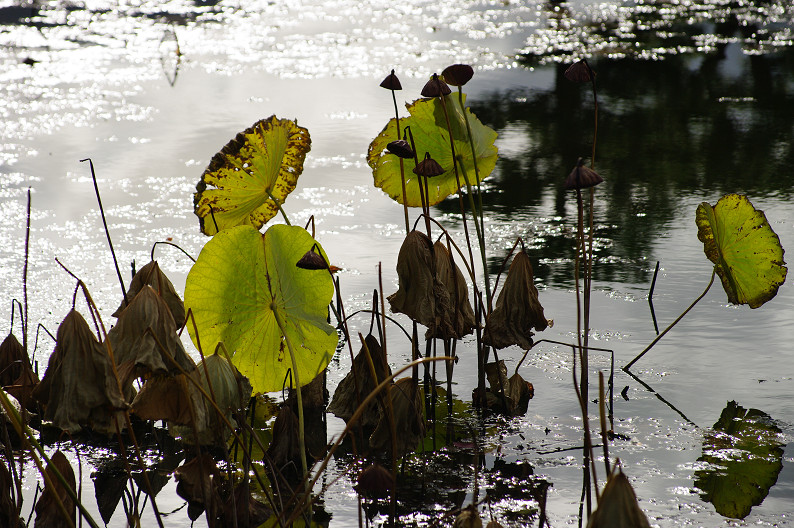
(198, 482)
(231, 391)
(16, 375)
(519, 392)
(358, 384)
(173, 399)
(457, 315)
(618, 506)
(314, 395)
(285, 449)
(79, 388)
(409, 419)
(144, 333)
(152, 275)
(414, 297)
(518, 310)
(48, 514)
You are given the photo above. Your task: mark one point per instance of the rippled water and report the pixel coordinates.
(714, 116)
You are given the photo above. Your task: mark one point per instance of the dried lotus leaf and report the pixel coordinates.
(518, 310)
(198, 483)
(414, 297)
(170, 398)
(618, 506)
(153, 276)
(79, 387)
(346, 399)
(13, 359)
(519, 392)
(455, 315)
(143, 329)
(409, 419)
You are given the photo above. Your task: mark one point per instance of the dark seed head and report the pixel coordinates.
(457, 74)
(400, 148)
(580, 72)
(374, 481)
(312, 261)
(391, 82)
(582, 177)
(435, 87)
(428, 167)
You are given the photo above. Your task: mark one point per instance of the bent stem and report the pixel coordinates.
(278, 204)
(628, 366)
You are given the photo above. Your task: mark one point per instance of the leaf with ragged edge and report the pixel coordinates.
(745, 456)
(745, 250)
(262, 163)
(240, 279)
(429, 129)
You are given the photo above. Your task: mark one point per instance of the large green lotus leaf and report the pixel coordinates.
(429, 129)
(745, 250)
(239, 282)
(744, 454)
(261, 163)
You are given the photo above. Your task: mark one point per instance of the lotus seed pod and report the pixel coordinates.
(582, 177)
(435, 87)
(428, 167)
(391, 82)
(401, 148)
(457, 74)
(580, 72)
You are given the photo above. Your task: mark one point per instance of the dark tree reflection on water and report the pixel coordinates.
(685, 126)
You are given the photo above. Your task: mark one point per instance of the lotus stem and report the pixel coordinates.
(628, 366)
(301, 439)
(481, 225)
(278, 205)
(480, 238)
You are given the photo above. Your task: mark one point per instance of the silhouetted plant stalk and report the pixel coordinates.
(392, 83)
(104, 339)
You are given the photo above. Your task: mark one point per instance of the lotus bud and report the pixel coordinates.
(580, 72)
(391, 82)
(375, 481)
(457, 74)
(435, 87)
(582, 177)
(618, 505)
(428, 167)
(401, 148)
(518, 310)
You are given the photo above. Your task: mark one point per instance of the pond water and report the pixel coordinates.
(696, 100)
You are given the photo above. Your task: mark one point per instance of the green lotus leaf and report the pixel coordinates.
(744, 453)
(259, 166)
(429, 128)
(241, 281)
(744, 249)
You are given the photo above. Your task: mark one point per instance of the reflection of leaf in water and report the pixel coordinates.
(745, 456)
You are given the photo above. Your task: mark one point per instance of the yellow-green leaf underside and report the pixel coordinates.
(260, 165)
(744, 249)
(238, 284)
(429, 128)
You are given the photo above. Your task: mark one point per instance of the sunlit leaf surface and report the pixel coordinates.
(745, 455)
(260, 164)
(239, 282)
(745, 250)
(429, 128)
